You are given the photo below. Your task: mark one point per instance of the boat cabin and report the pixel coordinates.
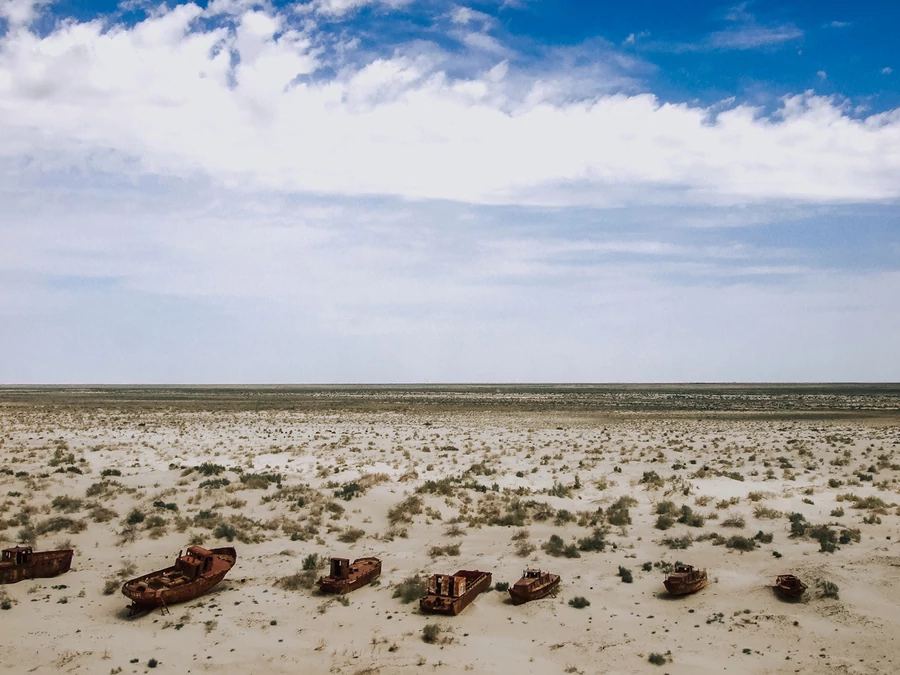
(340, 568)
(195, 562)
(446, 585)
(17, 555)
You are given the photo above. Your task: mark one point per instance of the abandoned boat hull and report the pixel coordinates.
(476, 582)
(678, 588)
(39, 565)
(149, 591)
(521, 593)
(789, 587)
(363, 571)
(686, 580)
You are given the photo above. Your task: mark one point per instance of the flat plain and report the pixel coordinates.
(607, 486)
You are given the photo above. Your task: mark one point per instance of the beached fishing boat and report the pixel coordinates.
(534, 584)
(344, 577)
(21, 562)
(451, 594)
(194, 573)
(685, 579)
(789, 587)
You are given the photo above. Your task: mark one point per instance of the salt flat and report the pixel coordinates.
(577, 480)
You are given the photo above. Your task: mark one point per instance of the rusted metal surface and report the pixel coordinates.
(21, 562)
(533, 585)
(451, 594)
(789, 587)
(344, 577)
(685, 579)
(194, 573)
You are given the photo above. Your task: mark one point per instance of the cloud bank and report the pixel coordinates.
(250, 194)
(263, 98)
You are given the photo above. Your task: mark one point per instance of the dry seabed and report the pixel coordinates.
(608, 501)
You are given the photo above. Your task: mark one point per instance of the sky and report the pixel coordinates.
(345, 191)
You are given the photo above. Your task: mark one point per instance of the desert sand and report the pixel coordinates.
(589, 483)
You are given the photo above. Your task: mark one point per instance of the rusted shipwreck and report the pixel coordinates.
(451, 594)
(344, 577)
(533, 585)
(685, 579)
(21, 562)
(789, 587)
(194, 573)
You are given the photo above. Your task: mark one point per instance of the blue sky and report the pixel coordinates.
(391, 190)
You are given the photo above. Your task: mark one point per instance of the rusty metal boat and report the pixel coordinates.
(22, 562)
(789, 587)
(533, 585)
(194, 573)
(685, 579)
(451, 594)
(344, 577)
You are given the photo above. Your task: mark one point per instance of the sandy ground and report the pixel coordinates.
(499, 483)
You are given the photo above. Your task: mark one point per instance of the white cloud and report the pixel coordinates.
(887, 70)
(19, 13)
(466, 15)
(339, 8)
(187, 282)
(753, 36)
(164, 96)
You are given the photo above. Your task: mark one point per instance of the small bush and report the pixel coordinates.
(58, 524)
(617, 513)
(595, 542)
(799, 524)
(657, 659)
(554, 546)
(214, 483)
(260, 481)
(678, 542)
(763, 537)
(405, 510)
(225, 531)
(652, 479)
(828, 589)
(294, 582)
(411, 588)
(501, 586)
(524, 548)
(449, 549)
(740, 543)
(625, 575)
(579, 602)
(688, 517)
(431, 632)
(734, 521)
(664, 521)
(350, 535)
(763, 512)
(209, 469)
(66, 504)
(665, 507)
